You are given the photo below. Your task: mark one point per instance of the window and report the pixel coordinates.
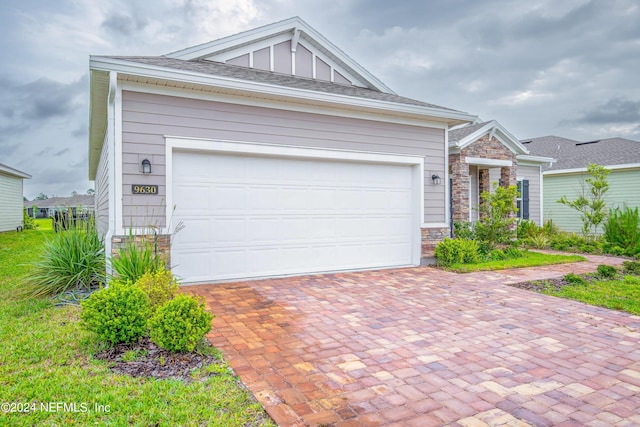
(519, 199)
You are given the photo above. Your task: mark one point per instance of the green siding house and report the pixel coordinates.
(566, 176)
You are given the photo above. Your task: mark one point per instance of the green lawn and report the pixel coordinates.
(45, 360)
(530, 259)
(621, 293)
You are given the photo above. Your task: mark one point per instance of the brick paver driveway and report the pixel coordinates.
(421, 347)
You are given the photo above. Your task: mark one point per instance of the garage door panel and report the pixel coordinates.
(263, 216)
(191, 198)
(229, 231)
(198, 232)
(227, 198)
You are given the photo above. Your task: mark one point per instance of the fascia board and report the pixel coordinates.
(144, 70)
(473, 137)
(13, 172)
(235, 40)
(582, 170)
(535, 159)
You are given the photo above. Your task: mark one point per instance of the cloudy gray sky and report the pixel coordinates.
(540, 67)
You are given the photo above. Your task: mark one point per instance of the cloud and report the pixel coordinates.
(37, 102)
(616, 110)
(123, 25)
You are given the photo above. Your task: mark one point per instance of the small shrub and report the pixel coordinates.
(528, 228)
(606, 271)
(28, 222)
(613, 249)
(160, 286)
(180, 323)
(550, 228)
(116, 314)
(513, 253)
(457, 251)
(622, 230)
(463, 230)
(135, 259)
(631, 267)
(71, 259)
(497, 217)
(497, 255)
(574, 279)
(538, 241)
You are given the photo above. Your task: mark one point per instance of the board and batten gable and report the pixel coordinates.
(148, 118)
(623, 191)
(11, 202)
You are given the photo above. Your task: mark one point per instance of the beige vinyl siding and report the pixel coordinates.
(102, 191)
(624, 189)
(147, 118)
(532, 173)
(11, 204)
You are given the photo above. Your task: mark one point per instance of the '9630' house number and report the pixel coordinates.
(144, 189)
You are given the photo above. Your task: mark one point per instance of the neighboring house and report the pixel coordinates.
(566, 176)
(484, 154)
(79, 204)
(276, 151)
(11, 197)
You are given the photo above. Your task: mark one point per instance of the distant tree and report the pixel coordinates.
(74, 193)
(24, 199)
(41, 196)
(91, 191)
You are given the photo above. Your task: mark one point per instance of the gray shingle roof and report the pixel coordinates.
(460, 133)
(269, 77)
(572, 154)
(86, 200)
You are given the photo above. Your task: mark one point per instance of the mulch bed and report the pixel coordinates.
(542, 286)
(156, 362)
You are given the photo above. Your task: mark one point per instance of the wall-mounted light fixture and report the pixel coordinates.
(146, 166)
(436, 179)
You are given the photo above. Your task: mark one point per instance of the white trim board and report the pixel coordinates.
(580, 170)
(487, 162)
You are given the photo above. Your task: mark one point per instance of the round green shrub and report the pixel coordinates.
(117, 313)
(179, 324)
(160, 286)
(457, 251)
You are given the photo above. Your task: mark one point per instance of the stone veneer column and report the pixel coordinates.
(460, 187)
(508, 175)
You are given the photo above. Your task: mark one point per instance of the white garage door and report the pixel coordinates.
(247, 217)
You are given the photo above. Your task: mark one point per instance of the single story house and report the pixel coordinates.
(484, 153)
(78, 204)
(11, 196)
(274, 153)
(566, 176)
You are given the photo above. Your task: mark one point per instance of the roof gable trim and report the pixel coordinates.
(493, 129)
(296, 29)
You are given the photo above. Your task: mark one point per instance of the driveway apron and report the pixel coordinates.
(423, 347)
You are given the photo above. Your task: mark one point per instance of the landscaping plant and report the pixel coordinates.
(160, 286)
(457, 251)
(137, 257)
(622, 232)
(606, 271)
(496, 224)
(71, 259)
(180, 324)
(116, 314)
(591, 203)
(28, 222)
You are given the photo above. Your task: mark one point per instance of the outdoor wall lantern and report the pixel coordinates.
(436, 179)
(146, 166)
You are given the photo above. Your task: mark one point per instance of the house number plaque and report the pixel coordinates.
(144, 189)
